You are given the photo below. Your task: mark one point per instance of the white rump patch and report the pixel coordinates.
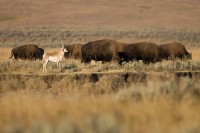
(53, 59)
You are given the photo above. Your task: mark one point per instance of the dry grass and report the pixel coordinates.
(47, 37)
(71, 66)
(95, 14)
(74, 103)
(166, 106)
(78, 97)
(70, 99)
(195, 53)
(5, 53)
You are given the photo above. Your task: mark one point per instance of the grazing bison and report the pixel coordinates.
(120, 46)
(146, 51)
(39, 54)
(101, 50)
(29, 51)
(174, 50)
(74, 51)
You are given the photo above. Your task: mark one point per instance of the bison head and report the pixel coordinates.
(40, 53)
(64, 48)
(189, 55)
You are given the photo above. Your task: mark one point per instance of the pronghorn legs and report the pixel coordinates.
(45, 66)
(58, 64)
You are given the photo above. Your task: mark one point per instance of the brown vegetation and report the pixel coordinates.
(165, 106)
(53, 37)
(94, 14)
(103, 98)
(106, 97)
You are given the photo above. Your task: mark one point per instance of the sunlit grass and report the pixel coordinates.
(164, 106)
(72, 65)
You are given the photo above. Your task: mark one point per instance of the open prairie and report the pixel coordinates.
(94, 13)
(103, 98)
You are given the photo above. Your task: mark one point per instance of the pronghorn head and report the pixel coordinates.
(64, 48)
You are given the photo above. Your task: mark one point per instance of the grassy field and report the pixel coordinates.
(161, 106)
(47, 37)
(181, 14)
(105, 114)
(102, 98)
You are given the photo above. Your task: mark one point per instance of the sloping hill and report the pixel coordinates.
(101, 13)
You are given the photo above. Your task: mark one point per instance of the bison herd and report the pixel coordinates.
(109, 50)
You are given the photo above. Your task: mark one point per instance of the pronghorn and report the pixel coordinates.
(54, 57)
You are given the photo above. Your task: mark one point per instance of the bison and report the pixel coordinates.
(29, 51)
(74, 51)
(174, 50)
(146, 51)
(120, 46)
(101, 50)
(39, 54)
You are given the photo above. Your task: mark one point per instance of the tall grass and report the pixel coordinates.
(71, 65)
(166, 106)
(32, 101)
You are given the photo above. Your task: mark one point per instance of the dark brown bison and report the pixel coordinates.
(39, 54)
(29, 51)
(74, 51)
(120, 46)
(146, 51)
(101, 50)
(174, 50)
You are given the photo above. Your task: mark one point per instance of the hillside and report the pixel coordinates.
(183, 14)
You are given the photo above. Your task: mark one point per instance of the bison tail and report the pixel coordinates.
(11, 55)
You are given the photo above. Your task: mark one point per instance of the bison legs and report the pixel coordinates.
(122, 57)
(86, 60)
(148, 61)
